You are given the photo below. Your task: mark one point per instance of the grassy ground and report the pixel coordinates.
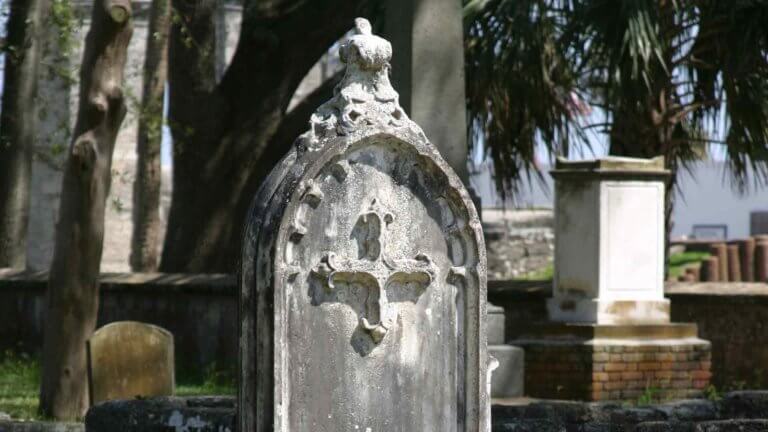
(544, 273)
(19, 378)
(20, 383)
(677, 264)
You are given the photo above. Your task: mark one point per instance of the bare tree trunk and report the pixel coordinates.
(17, 124)
(73, 289)
(223, 131)
(146, 190)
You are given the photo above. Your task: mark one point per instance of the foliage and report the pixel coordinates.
(672, 76)
(212, 380)
(521, 87)
(649, 396)
(679, 261)
(711, 393)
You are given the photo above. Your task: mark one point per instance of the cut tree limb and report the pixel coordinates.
(73, 289)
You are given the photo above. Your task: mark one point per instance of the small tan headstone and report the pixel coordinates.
(128, 359)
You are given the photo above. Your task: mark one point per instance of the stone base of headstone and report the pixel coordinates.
(199, 414)
(508, 378)
(38, 426)
(609, 312)
(614, 362)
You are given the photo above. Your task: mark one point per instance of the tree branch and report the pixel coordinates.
(296, 120)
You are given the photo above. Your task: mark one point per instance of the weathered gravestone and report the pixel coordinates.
(363, 281)
(127, 359)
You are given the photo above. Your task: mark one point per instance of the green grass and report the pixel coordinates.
(678, 262)
(544, 273)
(211, 381)
(19, 378)
(20, 384)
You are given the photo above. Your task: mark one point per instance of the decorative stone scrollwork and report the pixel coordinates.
(375, 271)
(364, 97)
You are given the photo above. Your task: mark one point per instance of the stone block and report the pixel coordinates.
(39, 426)
(745, 404)
(495, 326)
(508, 379)
(609, 248)
(128, 359)
(199, 414)
(733, 426)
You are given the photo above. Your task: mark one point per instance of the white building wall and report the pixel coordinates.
(706, 197)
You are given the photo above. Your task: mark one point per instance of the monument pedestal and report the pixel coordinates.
(596, 362)
(611, 336)
(609, 311)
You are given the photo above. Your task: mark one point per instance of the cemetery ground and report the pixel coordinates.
(20, 384)
(678, 263)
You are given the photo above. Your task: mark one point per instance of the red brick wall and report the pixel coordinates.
(560, 370)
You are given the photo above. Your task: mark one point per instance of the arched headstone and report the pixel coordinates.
(363, 280)
(128, 359)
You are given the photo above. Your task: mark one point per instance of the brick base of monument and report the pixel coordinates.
(600, 362)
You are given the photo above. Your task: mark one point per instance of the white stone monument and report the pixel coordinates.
(609, 242)
(363, 279)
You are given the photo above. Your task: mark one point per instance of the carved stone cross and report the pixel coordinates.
(376, 271)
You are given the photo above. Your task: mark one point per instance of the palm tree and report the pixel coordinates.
(672, 76)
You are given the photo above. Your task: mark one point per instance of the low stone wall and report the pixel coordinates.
(29, 426)
(739, 411)
(732, 316)
(200, 311)
(518, 241)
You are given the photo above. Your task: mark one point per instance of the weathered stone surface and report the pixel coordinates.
(609, 241)
(495, 324)
(27, 426)
(738, 411)
(518, 242)
(363, 285)
(745, 404)
(662, 426)
(217, 414)
(199, 414)
(733, 426)
(528, 426)
(508, 378)
(129, 359)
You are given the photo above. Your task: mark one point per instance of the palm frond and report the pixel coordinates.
(520, 86)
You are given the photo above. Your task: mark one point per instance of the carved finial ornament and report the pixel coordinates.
(364, 97)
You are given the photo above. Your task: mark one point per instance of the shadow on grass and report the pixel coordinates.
(20, 384)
